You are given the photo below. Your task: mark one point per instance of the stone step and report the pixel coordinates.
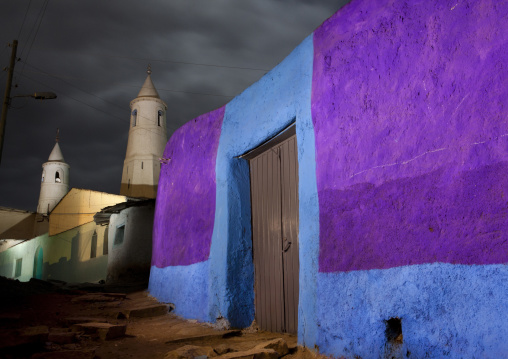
(193, 338)
(155, 310)
(271, 349)
(77, 320)
(278, 344)
(190, 352)
(255, 353)
(62, 337)
(104, 331)
(99, 297)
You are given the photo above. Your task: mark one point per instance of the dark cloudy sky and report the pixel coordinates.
(94, 55)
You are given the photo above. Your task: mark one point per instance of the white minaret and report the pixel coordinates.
(54, 181)
(146, 143)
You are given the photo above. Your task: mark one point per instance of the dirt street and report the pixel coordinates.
(54, 320)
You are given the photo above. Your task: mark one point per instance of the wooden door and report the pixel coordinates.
(274, 197)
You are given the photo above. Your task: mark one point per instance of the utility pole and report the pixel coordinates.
(7, 95)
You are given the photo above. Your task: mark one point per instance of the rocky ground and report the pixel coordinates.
(54, 320)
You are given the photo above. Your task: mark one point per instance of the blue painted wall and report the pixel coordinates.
(375, 240)
(446, 311)
(184, 286)
(223, 285)
(259, 113)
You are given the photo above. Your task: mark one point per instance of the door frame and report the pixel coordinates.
(270, 143)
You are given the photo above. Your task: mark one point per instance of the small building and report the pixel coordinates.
(356, 194)
(130, 248)
(74, 249)
(62, 241)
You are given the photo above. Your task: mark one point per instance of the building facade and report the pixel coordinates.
(399, 115)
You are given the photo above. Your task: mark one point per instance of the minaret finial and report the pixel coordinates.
(57, 139)
(149, 69)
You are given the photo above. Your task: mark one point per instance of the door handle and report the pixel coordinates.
(286, 247)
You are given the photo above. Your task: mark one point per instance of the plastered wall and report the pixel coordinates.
(78, 207)
(412, 183)
(400, 111)
(202, 256)
(66, 256)
(130, 259)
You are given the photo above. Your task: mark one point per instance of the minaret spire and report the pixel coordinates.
(146, 143)
(55, 179)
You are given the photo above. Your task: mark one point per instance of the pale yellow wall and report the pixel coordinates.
(78, 207)
(16, 224)
(60, 245)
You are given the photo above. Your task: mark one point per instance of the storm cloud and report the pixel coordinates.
(94, 55)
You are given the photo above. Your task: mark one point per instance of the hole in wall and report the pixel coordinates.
(393, 330)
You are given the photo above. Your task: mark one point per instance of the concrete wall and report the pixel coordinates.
(400, 110)
(130, 260)
(66, 256)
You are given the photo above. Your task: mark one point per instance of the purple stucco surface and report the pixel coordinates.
(416, 171)
(184, 215)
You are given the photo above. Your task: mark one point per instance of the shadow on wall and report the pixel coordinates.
(74, 269)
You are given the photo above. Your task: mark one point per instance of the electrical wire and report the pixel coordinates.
(24, 18)
(61, 78)
(118, 118)
(43, 10)
(185, 63)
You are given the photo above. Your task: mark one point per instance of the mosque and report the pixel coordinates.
(81, 235)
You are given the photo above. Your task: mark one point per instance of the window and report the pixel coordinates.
(105, 244)
(93, 249)
(141, 165)
(134, 117)
(120, 230)
(57, 177)
(17, 272)
(159, 118)
(43, 174)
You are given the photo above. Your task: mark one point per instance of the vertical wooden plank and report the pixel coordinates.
(274, 198)
(290, 232)
(276, 237)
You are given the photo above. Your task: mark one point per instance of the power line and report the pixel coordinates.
(185, 63)
(74, 86)
(62, 78)
(41, 14)
(24, 18)
(42, 9)
(95, 108)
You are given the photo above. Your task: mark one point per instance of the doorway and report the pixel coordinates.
(274, 200)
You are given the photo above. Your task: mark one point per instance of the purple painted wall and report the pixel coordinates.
(185, 206)
(416, 172)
